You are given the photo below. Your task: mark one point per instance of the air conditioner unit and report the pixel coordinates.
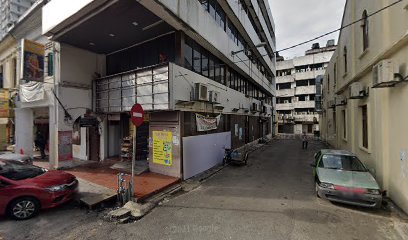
(214, 97)
(357, 91)
(383, 74)
(340, 100)
(331, 104)
(254, 107)
(201, 92)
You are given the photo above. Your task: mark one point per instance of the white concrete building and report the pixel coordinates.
(10, 12)
(296, 90)
(177, 59)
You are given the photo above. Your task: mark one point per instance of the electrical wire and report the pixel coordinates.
(328, 33)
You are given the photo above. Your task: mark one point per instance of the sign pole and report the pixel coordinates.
(137, 117)
(132, 190)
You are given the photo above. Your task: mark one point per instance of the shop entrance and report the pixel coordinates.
(94, 143)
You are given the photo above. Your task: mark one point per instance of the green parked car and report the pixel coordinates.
(341, 177)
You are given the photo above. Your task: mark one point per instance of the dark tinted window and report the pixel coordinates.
(14, 170)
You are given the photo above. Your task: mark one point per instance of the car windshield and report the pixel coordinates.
(342, 162)
(14, 170)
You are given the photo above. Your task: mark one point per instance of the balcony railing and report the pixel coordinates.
(305, 90)
(285, 79)
(147, 86)
(285, 92)
(304, 104)
(284, 106)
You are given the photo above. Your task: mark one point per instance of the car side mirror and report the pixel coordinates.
(372, 171)
(313, 165)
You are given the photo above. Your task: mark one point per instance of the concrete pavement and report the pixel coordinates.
(271, 198)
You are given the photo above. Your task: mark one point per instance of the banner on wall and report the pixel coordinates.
(162, 148)
(33, 61)
(207, 123)
(64, 145)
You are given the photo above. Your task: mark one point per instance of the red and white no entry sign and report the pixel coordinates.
(137, 115)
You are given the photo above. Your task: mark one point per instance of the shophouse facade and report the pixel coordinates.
(204, 72)
(365, 92)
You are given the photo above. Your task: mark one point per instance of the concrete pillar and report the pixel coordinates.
(53, 138)
(24, 121)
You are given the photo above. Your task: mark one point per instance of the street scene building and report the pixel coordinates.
(187, 119)
(296, 90)
(197, 88)
(10, 12)
(365, 93)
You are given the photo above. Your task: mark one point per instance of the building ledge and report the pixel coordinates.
(365, 52)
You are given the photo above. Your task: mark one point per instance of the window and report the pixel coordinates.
(364, 27)
(345, 59)
(50, 64)
(343, 113)
(212, 5)
(188, 55)
(217, 75)
(220, 17)
(197, 60)
(211, 69)
(335, 76)
(364, 126)
(204, 3)
(1, 76)
(204, 63)
(342, 162)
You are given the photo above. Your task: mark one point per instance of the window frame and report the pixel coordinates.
(365, 30)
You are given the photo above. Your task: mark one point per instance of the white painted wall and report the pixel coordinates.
(24, 130)
(183, 80)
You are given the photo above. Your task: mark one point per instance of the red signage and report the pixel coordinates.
(137, 115)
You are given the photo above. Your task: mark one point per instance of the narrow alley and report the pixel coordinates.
(270, 198)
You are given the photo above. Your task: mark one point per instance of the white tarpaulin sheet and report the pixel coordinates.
(32, 92)
(201, 153)
(207, 123)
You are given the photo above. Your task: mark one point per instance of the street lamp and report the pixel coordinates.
(262, 44)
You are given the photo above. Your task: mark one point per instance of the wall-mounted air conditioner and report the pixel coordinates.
(357, 91)
(331, 104)
(201, 92)
(383, 74)
(214, 97)
(341, 100)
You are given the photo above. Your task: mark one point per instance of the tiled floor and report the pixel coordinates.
(146, 184)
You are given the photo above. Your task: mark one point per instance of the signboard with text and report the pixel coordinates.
(162, 148)
(33, 61)
(4, 103)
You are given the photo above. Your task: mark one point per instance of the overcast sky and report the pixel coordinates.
(300, 20)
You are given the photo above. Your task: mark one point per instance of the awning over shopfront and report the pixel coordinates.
(113, 25)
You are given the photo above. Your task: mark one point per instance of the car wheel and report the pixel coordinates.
(23, 208)
(317, 190)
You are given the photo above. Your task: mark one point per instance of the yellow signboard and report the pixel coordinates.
(4, 103)
(162, 148)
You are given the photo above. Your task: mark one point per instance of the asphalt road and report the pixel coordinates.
(271, 198)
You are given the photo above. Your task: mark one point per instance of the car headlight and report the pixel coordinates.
(373, 191)
(326, 185)
(57, 188)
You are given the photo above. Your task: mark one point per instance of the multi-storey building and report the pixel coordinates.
(365, 92)
(204, 72)
(10, 12)
(296, 90)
